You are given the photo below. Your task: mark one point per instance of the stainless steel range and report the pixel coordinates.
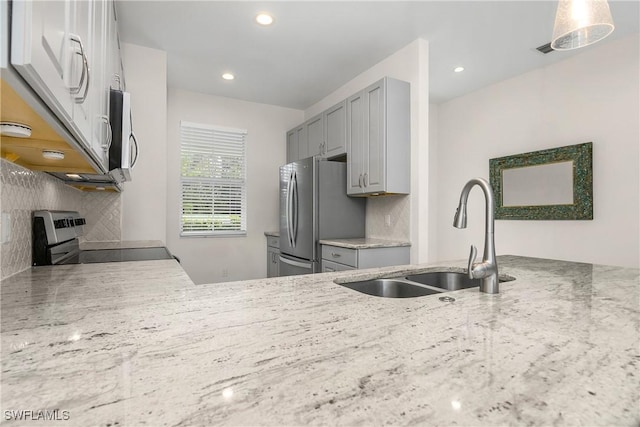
(56, 241)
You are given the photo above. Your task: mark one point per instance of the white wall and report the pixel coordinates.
(144, 198)
(409, 214)
(593, 96)
(204, 259)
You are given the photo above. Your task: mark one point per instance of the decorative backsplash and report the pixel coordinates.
(398, 210)
(22, 191)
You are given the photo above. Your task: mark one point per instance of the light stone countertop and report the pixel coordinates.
(364, 243)
(272, 233)
(137, 343)
(123, 244)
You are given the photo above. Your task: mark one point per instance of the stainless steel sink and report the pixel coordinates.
(391, 288)
(449, 280)
(417, 285)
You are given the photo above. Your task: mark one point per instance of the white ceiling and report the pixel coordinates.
(314, 47)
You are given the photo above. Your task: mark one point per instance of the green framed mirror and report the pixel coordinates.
(553, 184)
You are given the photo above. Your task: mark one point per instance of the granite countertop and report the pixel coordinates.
(123, 244)
(272, 233)
(364, 243)
(137, 343)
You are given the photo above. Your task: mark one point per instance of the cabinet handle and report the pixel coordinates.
(74, 90)
(85, 66)
(324, 147)
(364, 179)
(360, 181)
(107, 145)
(335, 255)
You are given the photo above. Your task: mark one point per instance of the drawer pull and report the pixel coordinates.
(335, 255)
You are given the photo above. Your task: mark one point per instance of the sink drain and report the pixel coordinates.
(447, 299)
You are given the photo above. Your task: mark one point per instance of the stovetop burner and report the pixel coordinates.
(118, 255)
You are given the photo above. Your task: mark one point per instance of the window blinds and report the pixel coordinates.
(213, 180)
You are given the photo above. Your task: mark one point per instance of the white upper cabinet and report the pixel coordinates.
(99, 84)
(81, 35)
(65, 50)
(379, 139)
(41, 50)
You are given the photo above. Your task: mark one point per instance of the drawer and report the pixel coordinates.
(330, 266)
(340, 255)
(272, 241)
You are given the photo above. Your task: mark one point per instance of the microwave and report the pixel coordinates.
(123, 151)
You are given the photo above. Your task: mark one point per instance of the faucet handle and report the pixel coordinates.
(472, 259)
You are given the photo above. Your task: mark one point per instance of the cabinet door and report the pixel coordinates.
(315, 135)
(99, 85)
(303, 142)
(335, 130)
(115, 77)
(292, 146)
(41, 50)
(355, 143)
(81, 35)
(374, 167)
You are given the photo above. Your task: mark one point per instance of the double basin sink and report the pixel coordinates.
(416, 285)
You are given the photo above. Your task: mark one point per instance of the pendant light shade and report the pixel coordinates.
(580, 23)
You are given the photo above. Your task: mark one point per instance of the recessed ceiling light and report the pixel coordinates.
(458, 69)
(228, 76)
(264, 19)
(53, 154)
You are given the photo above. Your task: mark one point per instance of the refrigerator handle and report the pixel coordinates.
(294, 218)
(288, 208)
(294, 263)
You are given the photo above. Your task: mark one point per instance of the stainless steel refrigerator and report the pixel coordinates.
(314, 205)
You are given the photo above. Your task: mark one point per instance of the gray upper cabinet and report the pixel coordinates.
(355, 142)
(378, 139)
(315, 135)
(297, 147)
(292, 146)
(335, 130)
(324, 135)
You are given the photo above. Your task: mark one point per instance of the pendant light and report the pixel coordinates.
(580, 23)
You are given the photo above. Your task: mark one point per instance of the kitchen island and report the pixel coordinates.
(138, 343)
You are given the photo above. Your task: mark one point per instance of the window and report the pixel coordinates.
(213, 180)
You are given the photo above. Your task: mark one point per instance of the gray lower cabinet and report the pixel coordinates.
(273, 256)
(337, 258)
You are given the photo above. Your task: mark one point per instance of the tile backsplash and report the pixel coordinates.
(23, 191)
(397, 209)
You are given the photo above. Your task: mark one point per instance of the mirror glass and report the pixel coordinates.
(550, 184)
